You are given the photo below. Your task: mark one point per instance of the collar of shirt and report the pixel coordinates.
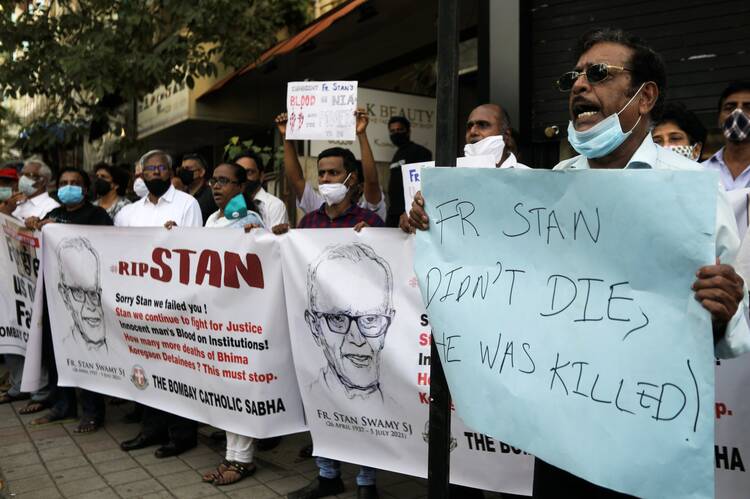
(716, 162)
(322, 211)
(168, 197)
(646, 156)
(512, 162)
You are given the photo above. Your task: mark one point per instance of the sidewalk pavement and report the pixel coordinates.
(52, 461)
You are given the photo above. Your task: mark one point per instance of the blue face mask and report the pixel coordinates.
(602, 138)
(236, 208)
(70, 194)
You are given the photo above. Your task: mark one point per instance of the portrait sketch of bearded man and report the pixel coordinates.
(79, 286)
(350, 308)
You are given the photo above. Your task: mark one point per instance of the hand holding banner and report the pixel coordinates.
(562, 302)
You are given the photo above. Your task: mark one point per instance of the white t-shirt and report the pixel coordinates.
(174, 205)
(312, 200)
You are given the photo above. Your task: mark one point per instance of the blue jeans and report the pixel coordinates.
(330, 468)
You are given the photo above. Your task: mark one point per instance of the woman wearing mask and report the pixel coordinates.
(109, 186)
(680, 130)
(228, 185)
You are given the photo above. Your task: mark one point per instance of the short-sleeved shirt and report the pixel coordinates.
(88, 214)
(173, 205)
(319, 219)
(405, 155)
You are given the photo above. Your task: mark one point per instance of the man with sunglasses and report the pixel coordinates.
(615, 91)
(163, 206)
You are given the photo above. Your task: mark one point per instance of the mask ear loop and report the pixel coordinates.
(626, 105)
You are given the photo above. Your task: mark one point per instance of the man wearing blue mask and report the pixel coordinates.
(615, 91)
(88, 330)
(733, 160)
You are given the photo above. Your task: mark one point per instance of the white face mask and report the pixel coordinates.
(690, 152)
(26, 185)
(139, 187)
(494, 145)
(334, 193)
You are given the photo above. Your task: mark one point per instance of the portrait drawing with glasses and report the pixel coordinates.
(79, 286)
(349, 311)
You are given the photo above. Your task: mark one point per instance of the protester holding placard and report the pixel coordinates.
(32, 200)
(680, 130)
(307, 198)
(229, 186)
(611, 112)
(338, 176)
(193, 173)
(163, 206)
(408, 152)
(110, 185)
(73, 186)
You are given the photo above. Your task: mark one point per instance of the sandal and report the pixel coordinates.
(51, 418)
(214, 475)
(32, 407)
(240, 470)
(6, 398)
(88, 425)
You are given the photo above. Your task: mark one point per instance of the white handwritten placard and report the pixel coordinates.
(321, 110)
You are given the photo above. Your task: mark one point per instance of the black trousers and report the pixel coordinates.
(552, 483)
(180, 431)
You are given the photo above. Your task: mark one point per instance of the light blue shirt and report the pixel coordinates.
(716, 163)
(737, 337)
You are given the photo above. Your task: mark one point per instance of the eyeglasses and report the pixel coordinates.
(371, 325)
(221, 181)
(596, 73)
(156, 168)
(94, 296)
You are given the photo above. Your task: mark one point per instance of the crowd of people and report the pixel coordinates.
(618, 119)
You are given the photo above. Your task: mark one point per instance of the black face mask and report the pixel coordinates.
(186, 176)
(102, 187)
(400, 138)
(158, 186)
(251, 186)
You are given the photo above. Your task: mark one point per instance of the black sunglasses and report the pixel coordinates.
(596, 73)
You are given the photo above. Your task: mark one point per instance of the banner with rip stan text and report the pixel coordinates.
(361, 342)
(190, 321)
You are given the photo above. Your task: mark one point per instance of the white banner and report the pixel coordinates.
(321, 110)
(367, 386)
(190, 321)
(380, 107)
(732, 437)
(19, 266)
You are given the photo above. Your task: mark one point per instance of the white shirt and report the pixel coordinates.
(737, 337)
(38, 206)
(512, 162)
(312, 200)
(272, 209)
(716, 163)
(174, 205)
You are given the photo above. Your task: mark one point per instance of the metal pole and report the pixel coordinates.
(438, 460)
